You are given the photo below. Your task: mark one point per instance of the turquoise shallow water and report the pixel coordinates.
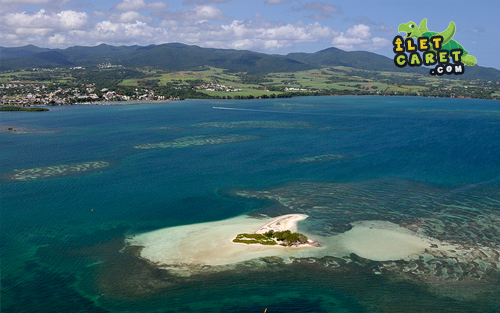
(62, 236)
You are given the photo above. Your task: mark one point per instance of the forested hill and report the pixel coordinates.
(374, 62)
(176, 56)
(337, 57)
(173, 56)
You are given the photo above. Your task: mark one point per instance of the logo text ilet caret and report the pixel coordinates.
(431, 48)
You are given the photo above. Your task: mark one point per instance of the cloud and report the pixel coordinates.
(57, 40)
(320, 6)
(276, 1)
(359, 37)
(138, 5)
(12, 6)
(197, 2)
(64, 20)
(129, 16)
(379, 27)
(25, 20)
(205, 12)
(72, 20)
(359, 31)
(320, 16)
(199, 13)
(41, 27)
(258, 34)
(31, 1)
(385, 29)
(248, 35)
(324, 10)
(118, 33)
(203, 25)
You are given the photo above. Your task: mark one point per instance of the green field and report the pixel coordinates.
(326, 80)
(56, 76)
(338, 78)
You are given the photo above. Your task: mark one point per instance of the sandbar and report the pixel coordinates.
(209, 243)
(282, 223)
(385, 241)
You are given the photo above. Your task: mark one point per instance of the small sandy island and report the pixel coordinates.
(211, 243)
(279, 232)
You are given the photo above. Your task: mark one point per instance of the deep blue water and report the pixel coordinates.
(62, 236)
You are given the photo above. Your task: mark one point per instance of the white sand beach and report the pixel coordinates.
(211, 243)
(282, 223)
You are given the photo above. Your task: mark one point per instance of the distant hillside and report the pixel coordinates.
(336, 57)
(479, 72)
(20, 52)
(375, 62)
(176, 56)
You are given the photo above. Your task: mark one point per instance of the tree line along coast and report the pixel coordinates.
(67, 86)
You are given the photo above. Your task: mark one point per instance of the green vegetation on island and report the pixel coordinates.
(270, 238)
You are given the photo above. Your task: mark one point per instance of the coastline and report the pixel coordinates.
(106, 103)
(280, 224)
(130, 102)
(137, 102)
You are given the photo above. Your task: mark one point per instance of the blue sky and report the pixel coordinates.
(270, 26)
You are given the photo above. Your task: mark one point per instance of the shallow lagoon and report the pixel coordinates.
(423, 164)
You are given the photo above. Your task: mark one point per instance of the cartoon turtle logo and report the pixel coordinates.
(412, 31)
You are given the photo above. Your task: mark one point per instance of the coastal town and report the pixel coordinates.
(53, 87)
(18, 94)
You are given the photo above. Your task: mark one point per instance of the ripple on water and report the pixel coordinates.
(463, 229)
(258, 124)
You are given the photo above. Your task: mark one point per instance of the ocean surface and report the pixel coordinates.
(77, 181)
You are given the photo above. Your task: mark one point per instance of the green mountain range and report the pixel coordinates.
(177, 56)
